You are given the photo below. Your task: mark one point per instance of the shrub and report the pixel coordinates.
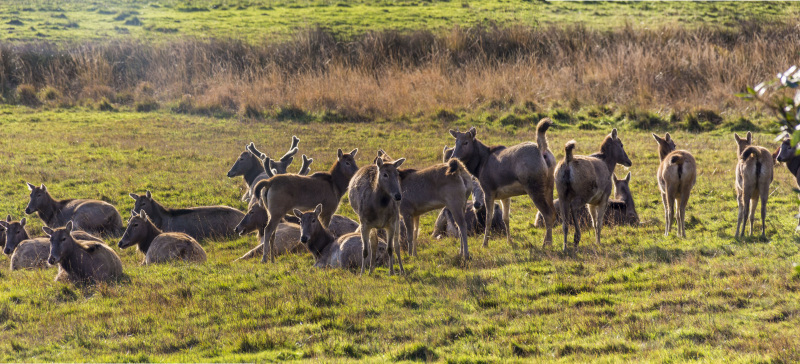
(105, 105)
(49, 93)
(250, 111)
(185, 105)
(26, 95)
(146, 104)
(416, 352)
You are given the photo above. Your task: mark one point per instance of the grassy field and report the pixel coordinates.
(637, 296)
(263, 19)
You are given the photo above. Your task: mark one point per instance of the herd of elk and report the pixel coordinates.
(292, 213)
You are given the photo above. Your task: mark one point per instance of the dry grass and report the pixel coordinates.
(390, 74)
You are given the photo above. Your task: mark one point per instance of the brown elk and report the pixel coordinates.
(754, 170)
(158, 246)
(375, 195)
(586, 181)
(676, 176)
(504, 172)
(92, 216)
(27, 252)
(285, 192)
(81, 261)
(621, 210)
(204, 222)
(786, 153)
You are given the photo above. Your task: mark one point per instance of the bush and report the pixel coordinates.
(49, 93)
(105, 105)
(250, 111)
(146, 104)
(416, 352)
(26, 95)
(185, 105)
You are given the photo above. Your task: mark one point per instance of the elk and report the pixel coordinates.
(442, 185)
(158, 246)
(786, 153)
(504, 172)
(676, 176)
(754, 170)
(81, 261)
(330, 251)
(92, 216)
(27, 252)
(251, 166)
(204, 222)
(586, 181)
(621, 210)
(285, 192)
(287, 235)
(375, 195)
(476, 221)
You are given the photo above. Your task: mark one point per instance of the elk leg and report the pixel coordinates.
(506, 219)
(739, 217)
(489, 203)
(764, 197)
(753, 207)
(683, 202)
(548, 212)
(365, 247)
(269, 238)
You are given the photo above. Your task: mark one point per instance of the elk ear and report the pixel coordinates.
(134, 196)
(69, 226)
(43, 187)
(318, 209)
(398, 162)
(667, 137)
(353, 152)
(614, 133)
(148, 194)
(614, 177)
(23, 221)
(749, 137)
(47, 231)
(737, 137)
(142, 214)
(379, 162)
(628, 177)
(472, 132)
(454, 133)
(298, 213)
(657, 138)
(339, 153)
(30, 186)
(8, 218)
(133, 213)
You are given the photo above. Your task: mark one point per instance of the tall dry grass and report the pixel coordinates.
(389, 73)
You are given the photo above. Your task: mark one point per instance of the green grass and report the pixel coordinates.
(638, 296)
(256, 20)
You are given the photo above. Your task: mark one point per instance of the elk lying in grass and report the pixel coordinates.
(27, 252)
(753, 176)
(158, 246)
(786, 154)
(288, 234)
(676, 176)
(80, 260)
(92, 216)
(375, 195)
(442, 185)
(285, 192)
(330, 251)
(476, 221)
(586, 181)
(504, 172)
(205, 222)
(621, 210)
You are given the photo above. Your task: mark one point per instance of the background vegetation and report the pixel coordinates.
(95, 108)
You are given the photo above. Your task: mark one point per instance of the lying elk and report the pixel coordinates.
(476, 221)
(442, 185)
(80, 260)
(676, 176)
(375, 195)
(330, 251)
(504, 172)
(621, 210)
(786, 154)
(158, 246)
(92, 216)
(285, 192)
(204, 222)
(753, 176)
(27, 252)
(288, 234)
(586, 181)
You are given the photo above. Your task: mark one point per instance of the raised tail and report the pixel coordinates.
(568, 149)
(261, 188)
(541, 134)
(677, 159)
(751, 150)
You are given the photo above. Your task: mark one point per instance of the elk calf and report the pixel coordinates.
(753, 176)
(92, 216)
(586, 181)
(27, 252)
(330, 251)
(285, 192)
(158, 246)
(524, 168)
(205, 222)
(676, 176)
(375, 195)
(79, 260)
(442, 185)
(621, 210)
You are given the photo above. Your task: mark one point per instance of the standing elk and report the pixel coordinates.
(676, 176)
